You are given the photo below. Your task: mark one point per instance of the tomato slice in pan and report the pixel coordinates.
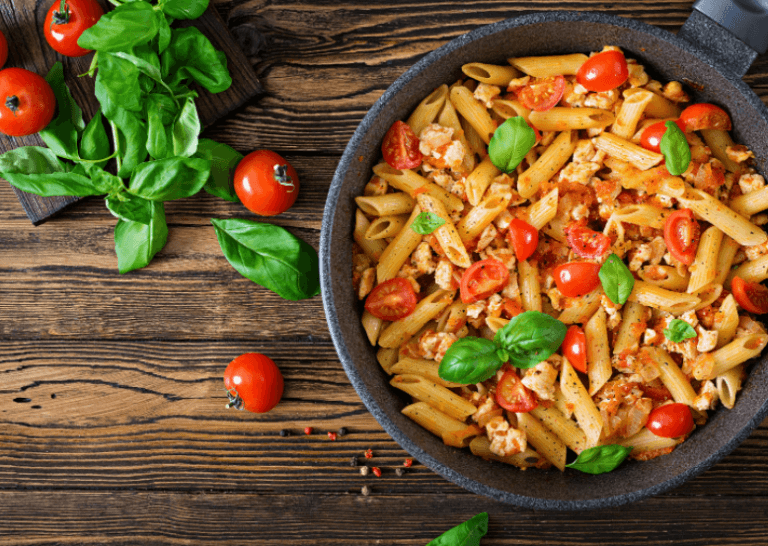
(542, 93)
(670, 420)
(523, 237)
(482, 279)
(705, 116)
(512, 395)
(585, 242)
(650, 139)
(577, 278)
(400, 147)
(575, 348)
(391, 300)
(681, 233)
(604, 71)
(751, 296)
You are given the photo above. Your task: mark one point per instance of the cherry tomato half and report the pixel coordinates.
(523, 237)
(670, 420)
(650, 139)
(575, 348)
(482, 279)
(604, 71)
(266, 183)
(681, 233)
(27, 102)
(401, 147)
(585, 242)
(577, 278)
(253, 382)
(3, 50)
(512, 395)
(391, 300)
(66, 21)
(705, 116)
(542, 93)
(751, 296)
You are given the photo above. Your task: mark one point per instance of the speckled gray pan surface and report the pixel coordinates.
(669, 58)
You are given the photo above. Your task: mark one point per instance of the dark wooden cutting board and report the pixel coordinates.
(22, 23)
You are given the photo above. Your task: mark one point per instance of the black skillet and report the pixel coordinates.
(710, 55)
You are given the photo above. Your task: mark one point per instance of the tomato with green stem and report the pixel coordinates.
(27, 102)
(66, 21)
(266, 183)
(253, 383)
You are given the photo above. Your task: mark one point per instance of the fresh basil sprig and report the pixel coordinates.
(470, 360)
(679, 330)
(600, 459)
(510, 143)
(468, 533)
(224, 160)
(426, 222)
(674, 146)
(617, 279)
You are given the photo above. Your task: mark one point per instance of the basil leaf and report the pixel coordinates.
(147, 63)
(191, 55)
(124, 27)
(131, 208)
(223, 160)
(131, 138)
(270, 256)
(616, 279)
(470, 360)
(161, 111)
(600, 459)
(186, 130)
(163, 35)
(426, 222)
(530, 338)
(674, 146)
(169, 179)
(136, 243)
(94, 144)
(679, 330)
(60, 135)
(468, 533)
(119, 78)
(185, 9)
(510, 143)
(31, 160)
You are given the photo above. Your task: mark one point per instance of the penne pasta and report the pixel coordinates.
(630, 113)
(373, 248)
(718, 141)
(658, 107)
(481, 216)
(584, 408)
(424, 368)
(372, 326)
(661, 298)
(400, 331)
(552, 65)
(473, 111)
(399, 249)
(491, 73)
(627, 151)
(440, 398)
(737, 352)
(599, 368)
(389, 204)
(414, 184)
(447, 234)
(703, 269)
(670, 374)
(548, 164)
(428, 109)
(569, 119)
(481, 447)
(453, 431)
(530, 288)
(544, 210)
(479, 180)
(750, 203)
(385, 227)
(540, 437)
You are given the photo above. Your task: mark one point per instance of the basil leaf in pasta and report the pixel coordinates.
(468, 533)
(616, 279)
(600, 459)
(530, 338)
(679, 330)
(427, 222)
(470, 360)
(675, 148)
(510, 143)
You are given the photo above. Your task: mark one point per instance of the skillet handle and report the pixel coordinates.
(732, 31)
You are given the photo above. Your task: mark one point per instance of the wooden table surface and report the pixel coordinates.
(112, 421)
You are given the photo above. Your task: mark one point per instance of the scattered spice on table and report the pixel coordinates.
(285, 432)
(377, 471)
(342, 431)
(366, 490)
(368, 453)
(353, 461)
(407, 463)
(399, 471)
(364, 470)
(332, 436)
(308, 430)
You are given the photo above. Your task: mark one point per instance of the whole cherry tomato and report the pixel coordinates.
(751, 296)
(3, 50)
(705, 116)
(542, 93)
(604, 71)
(577, 278)
(670, 420)
(401, 147)
(575, 348)
(482, 279)
(253, 383)
(585, 242)
(681, 233)
(266, 183)
(27, 102)
(523, 237)
(650, 139)
(391, 300)
(512, 395)
(66, 21)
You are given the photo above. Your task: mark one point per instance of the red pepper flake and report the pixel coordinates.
(377, 471)
(369, 454)
(408, 463)
(308, 430)
(332, 436)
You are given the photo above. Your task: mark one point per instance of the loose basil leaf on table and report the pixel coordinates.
(136, 243)
(186, 130)
(679, 330)
(60, 135)
(617, 279)
(530, 338)
(470, 360)
(126, 26)
(169, 179)
(600, 459)
(94, 144)
(224, 160)
(427, 222)
(270, 256)
(511, 141)
(131, 208)
(468, 533)
(674, 146)
(184, 9)
(191, 55)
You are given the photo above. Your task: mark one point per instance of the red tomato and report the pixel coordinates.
(681, 233)
(482, 279)
(523, 237)
(585, 242)
(266, 183)
(650, 139)
(670, 420)
(512, 395)
(391, 300)
(27, 102)
(577, 278)
(66, 21)
(751, 296)
(705, 116)
(542, 93)
(575, 348)
(253, 383)
(3, 50)
(604, 71)
(401, 147)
